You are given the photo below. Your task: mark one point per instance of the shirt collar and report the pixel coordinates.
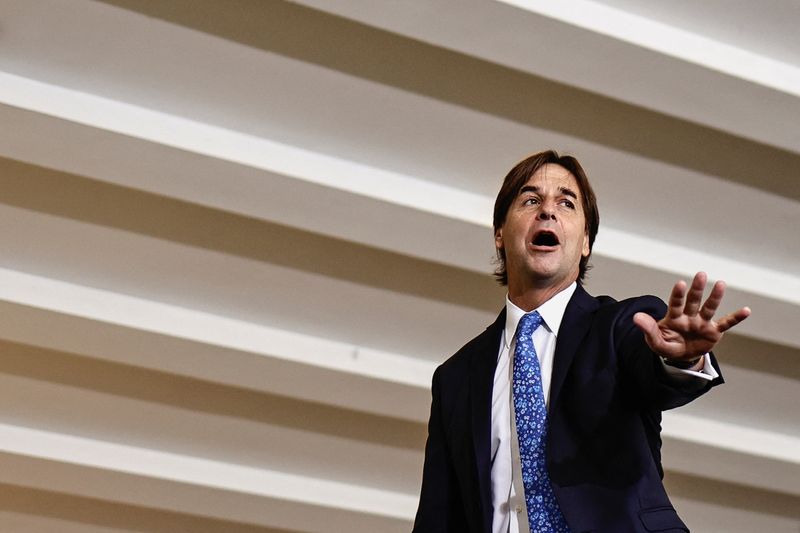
(552, 312)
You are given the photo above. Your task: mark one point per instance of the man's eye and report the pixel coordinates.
(530, 201)
(568, 203)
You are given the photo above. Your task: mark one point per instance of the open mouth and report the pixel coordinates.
(545, 238)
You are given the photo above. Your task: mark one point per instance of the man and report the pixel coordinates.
(550, 419)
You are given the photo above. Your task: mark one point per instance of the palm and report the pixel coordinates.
(688, 329)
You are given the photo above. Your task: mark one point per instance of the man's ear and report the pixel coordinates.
(498, 238)
(586, 250)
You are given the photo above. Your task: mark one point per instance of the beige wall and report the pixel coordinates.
(237, 241)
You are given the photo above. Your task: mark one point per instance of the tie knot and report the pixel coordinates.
(528, 323)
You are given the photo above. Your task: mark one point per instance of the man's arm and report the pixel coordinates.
(647, 381)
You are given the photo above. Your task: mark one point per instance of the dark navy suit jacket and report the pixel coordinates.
(604, 447)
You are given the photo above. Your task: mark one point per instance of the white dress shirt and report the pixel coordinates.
(508, 497)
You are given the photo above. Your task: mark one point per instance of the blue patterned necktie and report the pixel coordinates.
(544, 516)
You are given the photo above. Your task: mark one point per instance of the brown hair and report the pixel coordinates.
(519, 176)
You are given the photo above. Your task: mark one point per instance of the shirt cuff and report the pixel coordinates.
(708, 372)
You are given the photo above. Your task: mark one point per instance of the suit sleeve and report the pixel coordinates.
(646, 379)
(439, 496)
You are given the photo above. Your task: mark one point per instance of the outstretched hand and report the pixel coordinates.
(688, 330)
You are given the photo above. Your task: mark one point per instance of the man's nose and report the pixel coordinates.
(546, 214)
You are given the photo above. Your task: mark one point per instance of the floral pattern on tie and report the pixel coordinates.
(544, 515)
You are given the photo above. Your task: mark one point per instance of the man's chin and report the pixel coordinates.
(544, 267)
(551, 276)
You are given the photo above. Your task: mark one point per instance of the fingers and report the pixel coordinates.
(713, 301)
(695, 294)
(676, 300)
(693, 297)
(687, 302)
(728, 321)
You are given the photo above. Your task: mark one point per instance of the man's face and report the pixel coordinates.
(544, 233)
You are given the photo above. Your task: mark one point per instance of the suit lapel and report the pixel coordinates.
(574, 327)
(483, 360)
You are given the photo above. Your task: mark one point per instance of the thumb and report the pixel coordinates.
(648, 325)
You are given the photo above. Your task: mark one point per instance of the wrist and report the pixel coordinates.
(684, 364)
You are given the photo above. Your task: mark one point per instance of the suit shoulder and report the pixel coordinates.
(652, 305)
